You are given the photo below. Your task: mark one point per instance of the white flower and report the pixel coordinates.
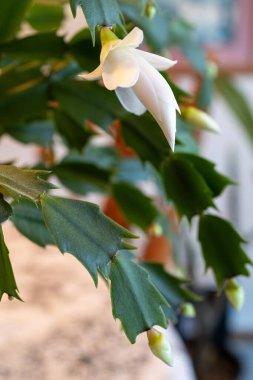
(133, 74)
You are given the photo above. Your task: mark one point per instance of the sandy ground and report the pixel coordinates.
(64, 329)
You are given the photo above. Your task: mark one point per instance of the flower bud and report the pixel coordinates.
(199, 119)
(150, 10)
(160, 346)
(107, 35)
(156, 229)
(212, 70)
(188, 310)
(235, 294)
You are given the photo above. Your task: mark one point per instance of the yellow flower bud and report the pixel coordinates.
(212, 70)
(199, 119)
(156, 229)
(150, 10)
(160, 346)
(188, 310)
(107, 35)
(235, 294)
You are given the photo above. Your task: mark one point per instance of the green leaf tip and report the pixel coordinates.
(5, 209)
(73, 5)
(7, 280)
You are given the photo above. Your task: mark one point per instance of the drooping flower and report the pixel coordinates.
(134, 76)
(160, 346)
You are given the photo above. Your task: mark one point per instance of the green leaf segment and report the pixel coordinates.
(7, 281)
(135, 300)
(28, 219)
(23, 182)
(192, 182)
(222, 250)
(136, 206)
(81, 229)
(11, 16)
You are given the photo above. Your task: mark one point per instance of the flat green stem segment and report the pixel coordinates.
(7, 281)
(11, 16)
(82, 229)
(23, 182)
(221, 248)
(135, 300)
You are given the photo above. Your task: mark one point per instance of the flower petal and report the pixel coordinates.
(95, 74)
(158, 62)
(106, 48)
(121, 69)
(157, 82)
(156, 95)
(168, 125)
(132, 39)
(129, 101)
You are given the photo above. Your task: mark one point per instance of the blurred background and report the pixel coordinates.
(220, 340)
(64, 330)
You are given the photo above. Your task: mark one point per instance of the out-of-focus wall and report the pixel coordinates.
(232, 150)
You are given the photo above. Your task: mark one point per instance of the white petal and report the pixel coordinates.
(132, 39)
(121, 69)
(168, 125)
(95, 74)
(158, 62)
(107, 48)
(157, 96)
(157, 82)
(129, 101)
